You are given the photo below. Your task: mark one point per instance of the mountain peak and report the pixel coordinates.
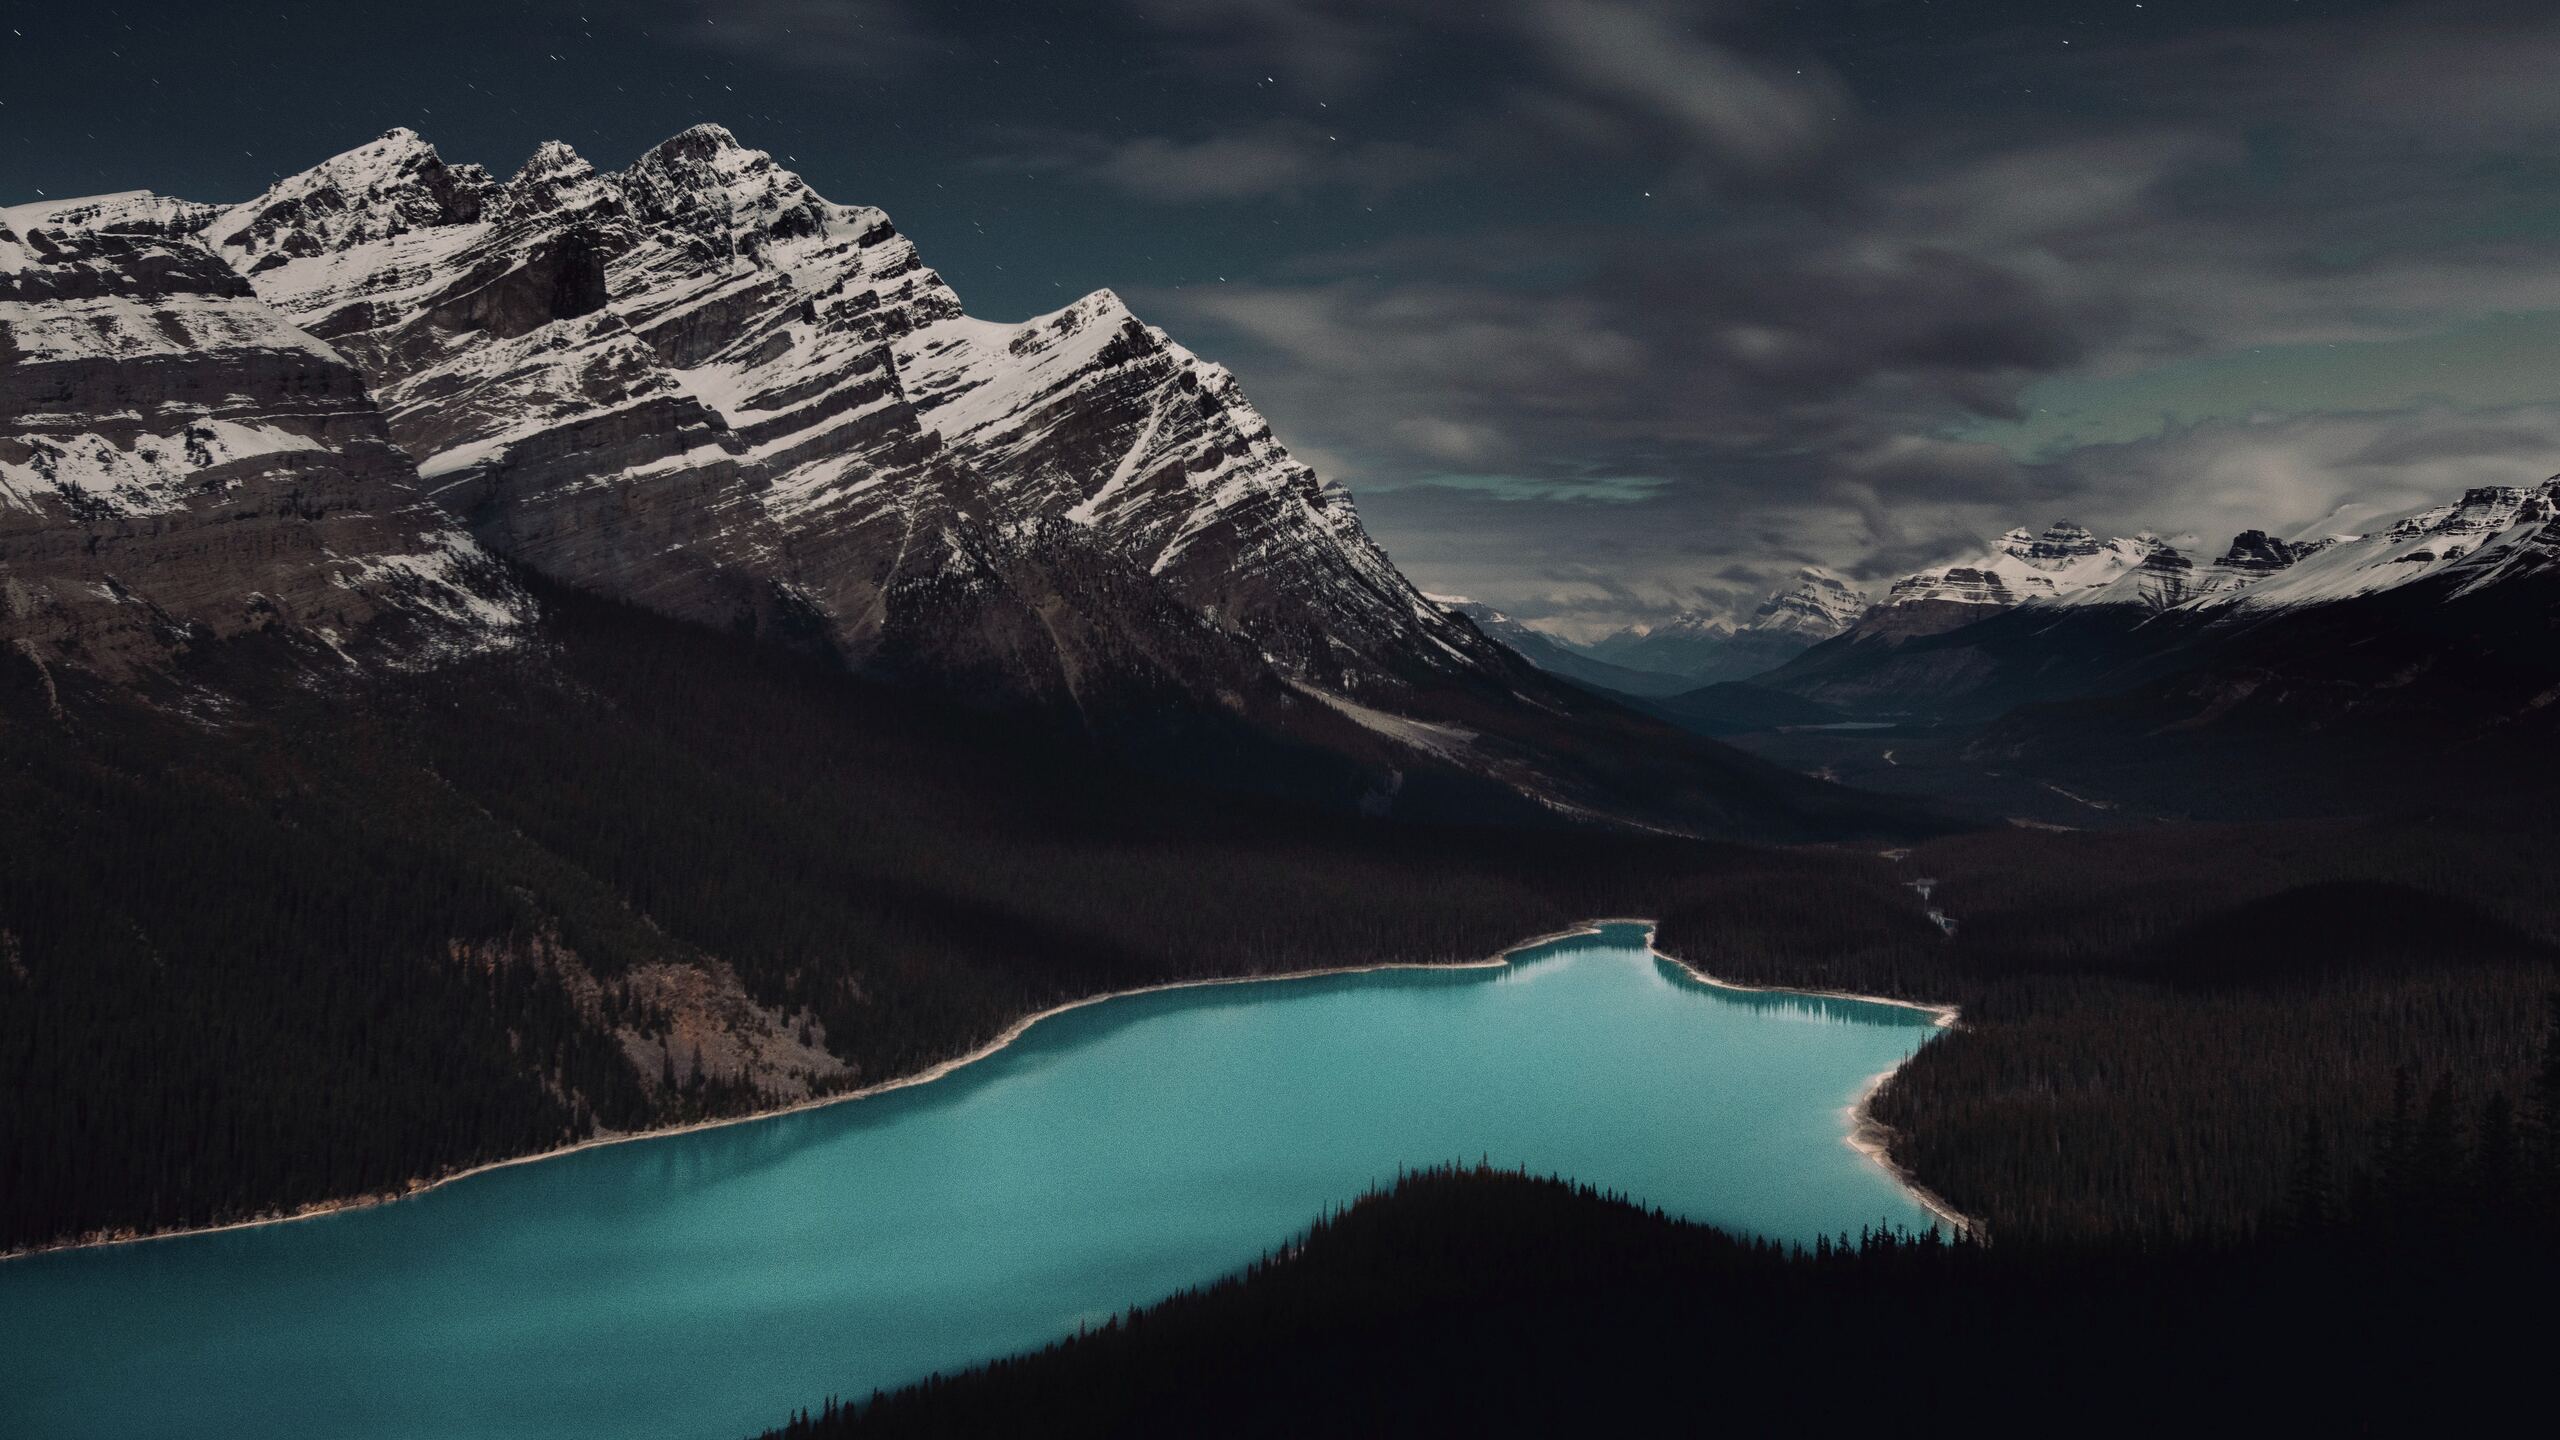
(696, 141)
(1818, 606)
(1102, 301)
(705, 157)
(389, 186)
(2066, 559)
(2061, 543)
(394, 152)
(550, 158)
(553, 178)
(735, 199)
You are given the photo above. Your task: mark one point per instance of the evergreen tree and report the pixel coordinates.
(2311, 1198)
(2545, 1119)
(2496, 1162)
(2436, 1160)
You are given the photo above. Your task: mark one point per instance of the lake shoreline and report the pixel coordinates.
(1866, 1135)
(940, 1068)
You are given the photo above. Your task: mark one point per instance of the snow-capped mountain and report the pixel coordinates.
(2125, 627)
(2167, 578)
(2260, 572)
(2479, 538)
(180, 464)
(1687, 643)
(1557, 656)
(698, 387)
(2410, 662)
(1703, 647)
(2023, 567)
(1816, 607)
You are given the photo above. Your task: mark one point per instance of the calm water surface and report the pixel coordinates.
(704, 1285)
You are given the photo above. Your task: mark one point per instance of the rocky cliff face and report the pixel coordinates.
(179, 464)
(698, 385)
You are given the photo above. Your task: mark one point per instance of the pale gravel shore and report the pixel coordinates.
(1866, 1135)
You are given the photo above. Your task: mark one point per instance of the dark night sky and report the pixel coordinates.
(1602, 307)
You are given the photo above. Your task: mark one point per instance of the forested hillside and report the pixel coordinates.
(2153, 1018)
(1498, 1304)
(305, 943)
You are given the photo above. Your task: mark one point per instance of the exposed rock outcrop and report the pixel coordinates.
(179, 463)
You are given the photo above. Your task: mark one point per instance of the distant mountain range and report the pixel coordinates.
(2065, 614)
(2061, 647)
(1705, 648)
(1691, 648)
(1559, 656)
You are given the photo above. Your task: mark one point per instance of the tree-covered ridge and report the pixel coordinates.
(2152, 1018)
(1476, 1302)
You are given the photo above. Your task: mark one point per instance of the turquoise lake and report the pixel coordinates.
(705, 1285)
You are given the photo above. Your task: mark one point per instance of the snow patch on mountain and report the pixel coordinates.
(137, 472)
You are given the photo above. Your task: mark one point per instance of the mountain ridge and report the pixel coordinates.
(696, 386)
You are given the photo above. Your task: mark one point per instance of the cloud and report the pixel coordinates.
(1812, 370)
(1279, 159)
(1555, 489)
(1652, 60)
(2312, 474)
(1572, 75)
(1679, 294)
(1661, 361)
